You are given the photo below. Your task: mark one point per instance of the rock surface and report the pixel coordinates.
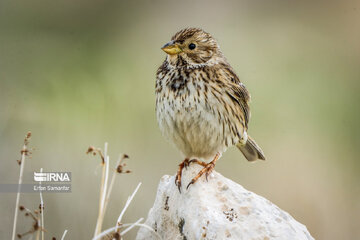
(217, 209)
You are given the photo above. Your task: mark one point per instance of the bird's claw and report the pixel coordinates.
(179, 187)
(208, 167)
(178, 184)
(185, 164)
(192, 181)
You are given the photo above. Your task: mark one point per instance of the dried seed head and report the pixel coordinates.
(92, 150)
(116, 236)
(119, 168)
(27, 138)
(25, 151)
(36, 225)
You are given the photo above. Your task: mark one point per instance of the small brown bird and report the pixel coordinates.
(201, 105)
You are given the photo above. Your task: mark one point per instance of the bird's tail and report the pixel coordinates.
(251, 150)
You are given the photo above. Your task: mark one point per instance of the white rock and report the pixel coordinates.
(216, 209)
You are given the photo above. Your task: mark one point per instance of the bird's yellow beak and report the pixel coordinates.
(171, 48)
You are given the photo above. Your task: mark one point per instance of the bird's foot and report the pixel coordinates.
(182, 165)
(208, 168)
(202, 163)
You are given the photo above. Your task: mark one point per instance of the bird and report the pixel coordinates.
(201, 104)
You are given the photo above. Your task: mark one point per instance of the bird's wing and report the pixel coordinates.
(237, 91)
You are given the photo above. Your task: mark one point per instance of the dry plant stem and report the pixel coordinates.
(118, 223)
(42, 210)
(22, 166)
(104, 192)
(112, 183)
(63, 236)
(131, 227)
(38, 235)
(104, 177)
(107, 231)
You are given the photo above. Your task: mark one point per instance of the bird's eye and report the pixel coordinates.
(192, 46)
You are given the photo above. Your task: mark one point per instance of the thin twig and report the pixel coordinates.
(104, 192)
(63, 236)
(24, 152)
(112, 183)
(107, 231)
(37, 235)
(131, 227)
(127, 204)
(42, 210)
(104, 177)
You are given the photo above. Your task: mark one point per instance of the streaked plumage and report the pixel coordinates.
(201, 105)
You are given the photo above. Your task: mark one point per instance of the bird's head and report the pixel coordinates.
(192, 47)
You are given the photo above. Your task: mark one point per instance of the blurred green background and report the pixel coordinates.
(79, 73)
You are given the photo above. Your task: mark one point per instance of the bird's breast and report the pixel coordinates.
(188, 114)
